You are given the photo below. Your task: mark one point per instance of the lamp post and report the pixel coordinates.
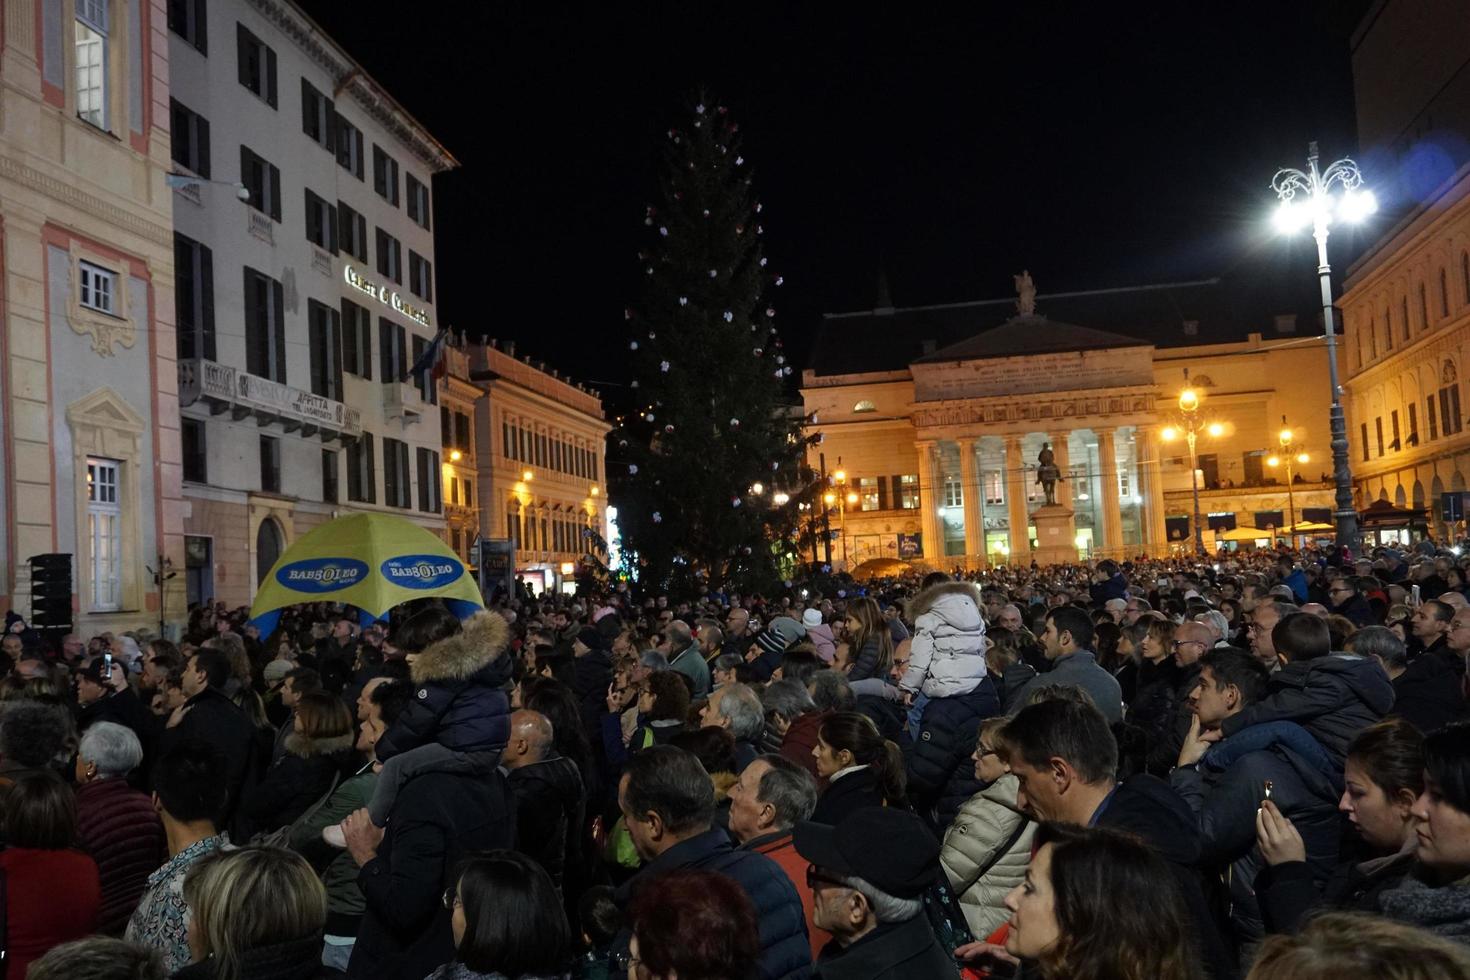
(1316, 207)
(1285, 439)
(1190, 427)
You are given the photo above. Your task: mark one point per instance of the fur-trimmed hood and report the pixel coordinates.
(925, 600)
(722, 782)
(303, 747)
(481, 643)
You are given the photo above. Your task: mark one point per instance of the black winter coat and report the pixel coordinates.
(218, 722)
(1167, 739)
(1333, 698)
(1427, 694)
(849, 792)
(940, 773)
(299, 778)
(1147, 807)
(550, 803)
(1226, 790)
(436, 820)
(895, 951)
(295, 959)
(1288, 892)
(1152, 707)
(888, 716)
(459, 698)
(786, 954)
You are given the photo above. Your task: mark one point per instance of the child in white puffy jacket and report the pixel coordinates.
(947, 656)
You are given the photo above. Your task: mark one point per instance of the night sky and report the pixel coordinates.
(1099, 147)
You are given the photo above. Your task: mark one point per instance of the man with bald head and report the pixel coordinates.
(1263, 619)
(550, 798)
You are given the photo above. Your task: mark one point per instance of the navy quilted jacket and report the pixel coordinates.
(459, 697)
(941, 776)
(786, 954)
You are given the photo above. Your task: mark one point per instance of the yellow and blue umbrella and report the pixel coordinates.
(371, 562)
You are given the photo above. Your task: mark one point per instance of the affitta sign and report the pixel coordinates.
(384, 295)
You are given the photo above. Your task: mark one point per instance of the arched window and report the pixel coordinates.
(1387, 334)
(864, 406)
(1404, 315)
(1444, 294)
(1465, 273)
(268, 545)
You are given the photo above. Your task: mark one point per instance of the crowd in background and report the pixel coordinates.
(1157, 769)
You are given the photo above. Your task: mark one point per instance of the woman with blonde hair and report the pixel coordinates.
(318, 755)
(1345, 944)
(255, 912)
(870, 643)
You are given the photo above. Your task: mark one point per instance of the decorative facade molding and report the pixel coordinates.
(105, 426)
(60, 190)
(105, 329)
(348, 76)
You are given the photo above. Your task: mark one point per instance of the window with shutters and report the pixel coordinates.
(507, 445)
(270, 464)
(418, 200)
(317, 116)
(995, 486)
(867, 488)
(397, 490)
(1393, 418)
(446, 432)
(424, 380)
(1413, 439)
(352, 232)
(92, 62)
(186, 18)
(357, 340)
(954, 494)
(392, 352)
(265, 327)
(1404, 315)
(104, 532)
(329, 476)
(193, 299)
(1366, 449)
(98, 287)
(349, 147)
(428, 473)
(257, 65)
(1432, 418)
(390, 256)
(192, 435)
(385, 175)
(263, 180)
(420, 276)
(1423, 309)
(1451, 421)
(362, 475)
(1378, 431)
(188, 138)
(1444, 294)
(1253, 465)
(324, 329)
(321, 223)
(462, 431)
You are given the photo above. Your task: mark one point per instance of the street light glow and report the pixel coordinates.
(1291, 217)
(757, 488)
(1304, 458)
(1286, 437)
(455, 455)
(527, 475)
(840, 476)
(1216, 430)
(829, 499)
(1356, 205)
(852, 498)
(1188, 400)
(1169, 434)
(780, 499)
(1273, 461)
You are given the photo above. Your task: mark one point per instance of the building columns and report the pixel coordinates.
(1061, 455)
(929, 488)
(1112, 514)
(1151, 472)
(970, 494)
(1020, 520)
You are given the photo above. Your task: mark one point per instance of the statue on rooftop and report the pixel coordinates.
(1026, 294)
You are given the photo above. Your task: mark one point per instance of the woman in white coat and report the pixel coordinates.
(988, 846)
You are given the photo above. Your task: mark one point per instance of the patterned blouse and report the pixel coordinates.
(161, 920)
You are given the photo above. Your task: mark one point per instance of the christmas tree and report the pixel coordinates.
(706, 463)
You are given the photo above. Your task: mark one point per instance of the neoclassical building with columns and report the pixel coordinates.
(932, 420)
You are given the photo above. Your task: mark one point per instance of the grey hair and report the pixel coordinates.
(727, 661)
(789, 789)
(787, 698)
(743, 710)
(653, 660)
(886, 908)
(103, 957)
(1380, 642)
(679, 635)
(1216, 620)
(1284, 608)
(831, 691)
(113, 747)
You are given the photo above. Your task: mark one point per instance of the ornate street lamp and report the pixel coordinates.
(1317, 198)
(1189, 428)
(1286, 437)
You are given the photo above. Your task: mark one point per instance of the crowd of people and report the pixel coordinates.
(1176, 769)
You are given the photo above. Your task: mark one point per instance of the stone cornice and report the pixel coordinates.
(59, 189)
(349, 76)
(1441, 341)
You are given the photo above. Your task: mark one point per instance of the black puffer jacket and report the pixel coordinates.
(459, 693)
(300, 777)
(1165, 740)
(1152, 707)
(550, 803)
(1333, 698)
(1427, 694)
(1226, 790)
(941, 776)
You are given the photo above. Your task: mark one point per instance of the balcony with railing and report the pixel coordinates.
(225, 389)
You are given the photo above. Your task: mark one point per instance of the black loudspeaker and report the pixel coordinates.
(51, 592)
